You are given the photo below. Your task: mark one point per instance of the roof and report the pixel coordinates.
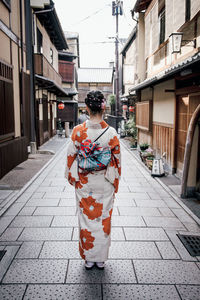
(71, 35)
(50, 85)
(49, 19)
(168, 72)
(104, 75)
(71, 91)
(131, 37)
(141, 5)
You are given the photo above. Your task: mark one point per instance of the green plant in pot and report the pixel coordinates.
(144, 146)
(131, 130)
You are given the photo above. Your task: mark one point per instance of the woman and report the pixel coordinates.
(95, 189)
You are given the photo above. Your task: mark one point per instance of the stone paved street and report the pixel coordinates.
(146, 261)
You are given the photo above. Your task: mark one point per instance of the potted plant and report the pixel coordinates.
(144, 146)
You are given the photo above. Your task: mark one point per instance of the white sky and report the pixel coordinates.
(97, 28)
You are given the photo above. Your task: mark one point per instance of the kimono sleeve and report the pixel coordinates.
(113, 171)
(71, 168)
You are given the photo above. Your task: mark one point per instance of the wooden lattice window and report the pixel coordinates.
(144, 115)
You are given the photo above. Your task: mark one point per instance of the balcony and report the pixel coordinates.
(44, 68)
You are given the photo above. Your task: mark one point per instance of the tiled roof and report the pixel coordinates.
(104, 75)
(168, 72)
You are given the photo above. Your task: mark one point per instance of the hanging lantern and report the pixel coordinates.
(131, 109)
(61, 106)
(124, 107)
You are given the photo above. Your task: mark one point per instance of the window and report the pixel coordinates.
(144, 115)
(187, 10)
(39, 42)
(162, 25)
(51, 56)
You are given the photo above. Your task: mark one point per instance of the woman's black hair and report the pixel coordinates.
(94, 101)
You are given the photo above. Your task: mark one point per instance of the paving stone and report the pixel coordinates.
(139, 292)
(67, 202)
(7, 259)
(42, 202)
(36, 271)
(66, 291)
(65, 221)
(50, 189)
(194, 227)
(166, 212)
(166, 272)
(29, 250)
(163, 222)
(143, 196)
(189, 292)
(55, 211)
(58, 195)
(127, 221)
(171, 203)
(124, 202)
(42, 234)
(10, 291)
(182, 215)
(68, 250)
(37, 195)
(126, 196)
(116, 234)
(141, 189)
(116, 271)
(167, 250)
(24, 197)
(31, 221)
(11, 234)
(4, 222)
(14, 209)
(150, 203)
(184, 254)
(133, 250)
(27, 211)
(139, 211)
(145, 234)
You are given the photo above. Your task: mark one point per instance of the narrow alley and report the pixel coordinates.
(147, 260)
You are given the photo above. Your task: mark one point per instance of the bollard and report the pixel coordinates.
(66, 129)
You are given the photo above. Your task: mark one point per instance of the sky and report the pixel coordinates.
(94, 22)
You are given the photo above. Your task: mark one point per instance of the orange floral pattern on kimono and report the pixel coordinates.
(107, 223)
(79, 133)
(91, 208)
(103, 124)
(83, 180)
(70, 160)
(86, 239)
(115, 159)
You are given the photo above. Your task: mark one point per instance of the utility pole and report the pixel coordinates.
(116, 11)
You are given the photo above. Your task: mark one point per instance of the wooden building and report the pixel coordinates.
(169, 95)
(49, 39)
(94, 79)
(68, 66)
(15, 131)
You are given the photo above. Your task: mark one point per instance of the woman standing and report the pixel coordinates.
(94, 190)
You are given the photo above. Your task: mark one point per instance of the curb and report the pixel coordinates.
(13, 198)
(192, 215)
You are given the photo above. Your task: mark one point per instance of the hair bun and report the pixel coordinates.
(94, 101)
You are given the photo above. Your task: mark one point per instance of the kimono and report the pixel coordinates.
(94, 190)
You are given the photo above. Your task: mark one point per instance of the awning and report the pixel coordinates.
(50, 85)
(166, 74)
(71, 91)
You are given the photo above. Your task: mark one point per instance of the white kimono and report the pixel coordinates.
(94, 190)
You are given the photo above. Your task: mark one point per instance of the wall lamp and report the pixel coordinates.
(176, 42)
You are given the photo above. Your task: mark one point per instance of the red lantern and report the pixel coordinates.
(131, 108)
(61, 106)
(124, 107)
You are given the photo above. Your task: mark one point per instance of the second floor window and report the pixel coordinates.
(187, 10)
(39, 41)
(51, 56)
(162, 25)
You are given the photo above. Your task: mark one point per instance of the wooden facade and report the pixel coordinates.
(66, 70)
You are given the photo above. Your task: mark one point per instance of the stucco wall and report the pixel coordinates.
(47, 44)
(164, 103)
(4, 14)
(146, 94)
(5, 47)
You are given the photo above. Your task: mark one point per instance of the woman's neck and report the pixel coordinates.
(96, 118)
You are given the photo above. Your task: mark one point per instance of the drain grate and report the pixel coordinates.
(191, 243)
(2, 253)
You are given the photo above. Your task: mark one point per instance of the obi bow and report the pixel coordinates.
(87, 148)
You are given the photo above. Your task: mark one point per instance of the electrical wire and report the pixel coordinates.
(93, 14)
